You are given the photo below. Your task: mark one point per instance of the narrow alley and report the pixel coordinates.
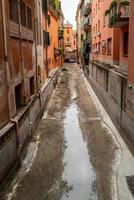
(76, 153)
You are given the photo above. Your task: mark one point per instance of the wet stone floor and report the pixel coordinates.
(72, 155)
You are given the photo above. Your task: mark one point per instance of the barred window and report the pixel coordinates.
(13, 11)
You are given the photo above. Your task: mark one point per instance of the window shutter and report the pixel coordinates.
(45, 6)
(49, 19)
(46, 38)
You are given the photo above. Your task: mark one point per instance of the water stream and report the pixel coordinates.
(78, 171)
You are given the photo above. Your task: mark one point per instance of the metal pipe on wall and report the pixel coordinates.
(5, 52)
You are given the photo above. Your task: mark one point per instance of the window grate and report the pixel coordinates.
(13, 11)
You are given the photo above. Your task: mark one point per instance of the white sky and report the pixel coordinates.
(69, 8)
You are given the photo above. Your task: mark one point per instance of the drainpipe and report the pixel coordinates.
(5, 51)
(36, 50)
(46, 24)
(36, 54)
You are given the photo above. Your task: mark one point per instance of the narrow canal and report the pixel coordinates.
(74, 154)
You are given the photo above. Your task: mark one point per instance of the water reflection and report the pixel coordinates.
(78, 170)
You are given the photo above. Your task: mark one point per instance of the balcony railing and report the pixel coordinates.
(56, 6)
(118, 14)
(88, 9)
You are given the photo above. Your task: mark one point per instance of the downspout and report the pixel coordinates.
(5, 52)
(46, 44)
(36, 53)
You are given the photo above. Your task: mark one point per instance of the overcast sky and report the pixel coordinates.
(69, 8)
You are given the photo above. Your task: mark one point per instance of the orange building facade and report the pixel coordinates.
(69, 40)
(53, 60)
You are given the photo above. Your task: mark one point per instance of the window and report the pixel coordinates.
(74, 42)
(29, 18)
(99, 45)
(49, 20)
(104, 20)
(32, 89)
(94, 12)
(125, 44)
(68, 39)
(81, 37)
(18, 93)
(13, 11)
(67, 30)
(98, 25)
(45, 6)
(109, 46)
(46, 38)
(98, 4)
(96, 8)
(23, 13)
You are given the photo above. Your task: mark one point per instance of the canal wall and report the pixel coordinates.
(112, 89)
(17, 133)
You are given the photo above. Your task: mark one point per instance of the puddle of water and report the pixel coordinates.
(78, 171)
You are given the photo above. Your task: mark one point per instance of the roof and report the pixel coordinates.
(68, 24)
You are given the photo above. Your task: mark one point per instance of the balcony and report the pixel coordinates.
(118, 14)
(55, 7)
(87, 10)
(87, 25)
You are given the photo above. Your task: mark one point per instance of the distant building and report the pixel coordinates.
(69, 40)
